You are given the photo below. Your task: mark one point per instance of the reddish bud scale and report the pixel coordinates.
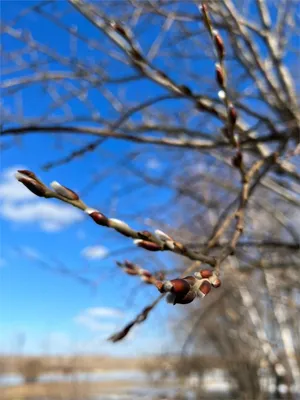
(64, 191)
(145, 235)
(219, 45)
(71, 195)
(99, 218)
(220, 75)
(188, 298)
(35, 187)
(203, 8)
(205, 288)
(147, 274)
(130, 271)
(190, 279)
(149, 245)
(180, 286)
(128, 264)
(206, 273)
(205, 15)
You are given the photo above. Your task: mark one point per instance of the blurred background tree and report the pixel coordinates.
(31, 370)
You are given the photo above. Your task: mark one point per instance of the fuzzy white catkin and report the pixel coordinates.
(19, 175)
(162, 235)
(89, 210)
(118, 224)
(63, 191)
(221, 94)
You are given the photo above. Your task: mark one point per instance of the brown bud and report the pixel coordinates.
(190, 279)
(219, 45)
(72, 195)
(180, 286)
(206, 273)
(64, 191)
(99, 218)
(130, 271)
(27, 173)
(145, 235)
(147, 274)
(129, 264)
(220, 75)
(203, 8)
(151, 246)
(188, 298)
(205, 288)
(32, 185)
(205, 15)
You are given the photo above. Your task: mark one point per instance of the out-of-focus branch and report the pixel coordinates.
(141, 317)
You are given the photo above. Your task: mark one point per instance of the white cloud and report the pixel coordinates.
(94, 252)
(21, 206)
(92, 324)
(10, 189)
(104, 312)
(95, 319)
(40, 211)
(51, 226)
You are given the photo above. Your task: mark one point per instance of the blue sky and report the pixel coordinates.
(42, 303)
(51, 312)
